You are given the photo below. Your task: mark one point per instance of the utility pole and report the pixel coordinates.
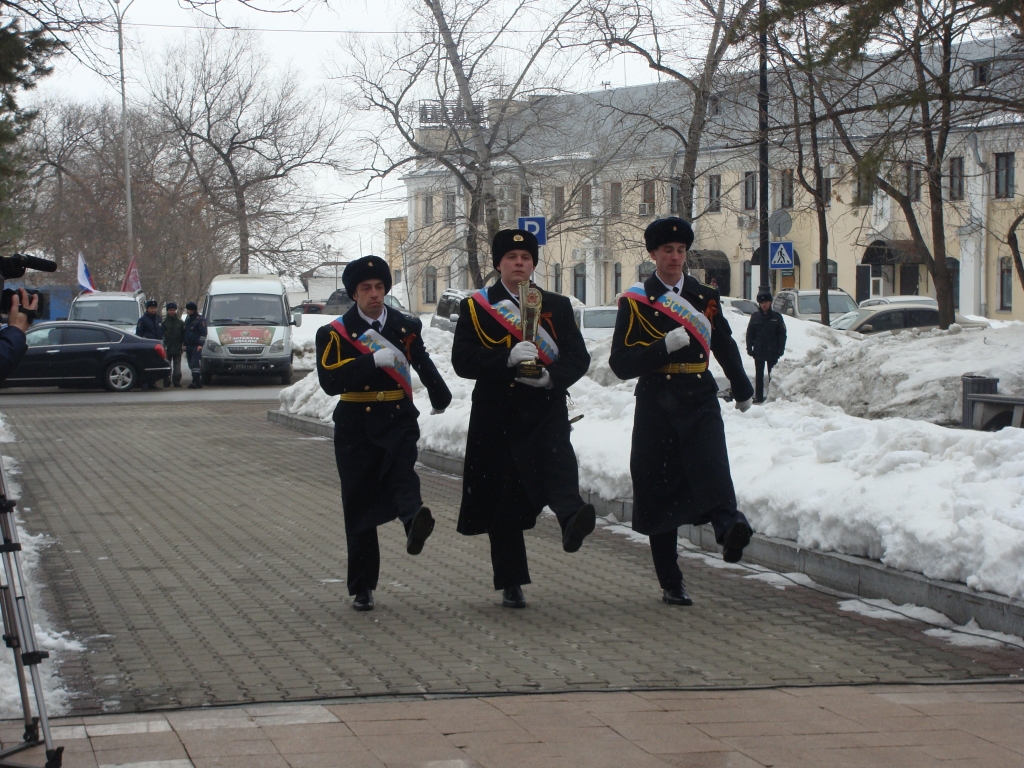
(762, 147)
(119, 13)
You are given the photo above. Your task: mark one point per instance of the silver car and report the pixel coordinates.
(805, 305)
(446, 315)
(596, 322)
(896, 317)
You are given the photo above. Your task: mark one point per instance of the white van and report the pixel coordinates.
(248, 327)
(120, 309)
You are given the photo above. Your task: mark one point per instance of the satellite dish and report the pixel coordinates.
(780, 223)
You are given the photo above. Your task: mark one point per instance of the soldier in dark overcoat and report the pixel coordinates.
(364, 356)
(665, 330)
(766, 340)
(518, 454)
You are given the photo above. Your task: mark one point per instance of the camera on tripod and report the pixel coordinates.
(13, 267)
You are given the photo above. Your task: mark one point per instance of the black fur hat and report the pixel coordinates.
(513, 240)
(670, 230)
(366, 268)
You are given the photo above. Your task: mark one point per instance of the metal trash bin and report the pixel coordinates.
(975, 384)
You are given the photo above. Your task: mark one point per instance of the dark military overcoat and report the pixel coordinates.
(375, 442)
(679, 462)
(518, 444)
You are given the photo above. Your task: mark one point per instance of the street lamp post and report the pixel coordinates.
(119, 15)
(762, 147)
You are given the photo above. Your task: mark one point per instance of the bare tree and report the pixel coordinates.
(254, 141)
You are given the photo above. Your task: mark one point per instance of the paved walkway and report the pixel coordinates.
(908, 726)
(198, 553)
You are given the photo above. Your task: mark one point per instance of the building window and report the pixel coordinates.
(826, 191)
(953, 265)
(579, 282)
(673, 200)
(748, 274)
(833, 275)
(982, 73)
(1004, 175)
(714, 194)
(865, 189)
(559, 200)
(914, 184)
(617, 284)
(647, 199)
(430, 285)
(750, 191)
(524, 202)
(786, 189)
(558, 278)
(956, 178)
(398, 276)
(428, 210)
(1005, 283)
(586, 201)
(449, 208)
(615, 199)
(645, 270)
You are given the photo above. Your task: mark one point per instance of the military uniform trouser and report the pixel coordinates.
(759, 365)
(664, 546)
(174, 358)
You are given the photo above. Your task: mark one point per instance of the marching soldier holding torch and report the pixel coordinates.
(364, 356)
(518, 454)
(666, 330)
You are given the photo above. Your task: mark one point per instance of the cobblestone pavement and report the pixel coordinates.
(198, 552)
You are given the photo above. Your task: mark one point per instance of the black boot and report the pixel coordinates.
(418, 530)
(676, 595)
(736, 539)
(364, 600)
(578, 528)
(513, 597)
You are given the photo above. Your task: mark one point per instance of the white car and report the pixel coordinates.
(745, 306)
(596, 322)
(926, 301)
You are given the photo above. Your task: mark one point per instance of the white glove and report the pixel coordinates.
(677, 338)
(436, 411)
(543, 382)
(384, 358)
(744, 405)
(521, 352)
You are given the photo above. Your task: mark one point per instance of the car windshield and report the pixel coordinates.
(838, 304)
(844, 322)
(744, 306)
(599, 318)
(121, 311)
(246, 309)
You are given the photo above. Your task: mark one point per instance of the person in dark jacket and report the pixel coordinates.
(194, 339)
(12, 335)
(518, 454)
(365, 356)
(665, 332)
(766, 341)
(174, 338)
(150, 326)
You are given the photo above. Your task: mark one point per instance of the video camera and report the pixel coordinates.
(12, 267)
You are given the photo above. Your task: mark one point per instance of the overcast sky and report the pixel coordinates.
(307, 41)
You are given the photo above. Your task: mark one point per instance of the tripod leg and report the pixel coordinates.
(13, 641)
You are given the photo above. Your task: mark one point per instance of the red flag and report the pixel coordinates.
(132, 281)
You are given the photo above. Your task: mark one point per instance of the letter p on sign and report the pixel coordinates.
(535, 225)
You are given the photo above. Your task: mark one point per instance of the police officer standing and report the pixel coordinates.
(150, 326)
(666, 329)
(766, 341)
(364, 356)
(174, 337)
(194, 340)
(518, 454)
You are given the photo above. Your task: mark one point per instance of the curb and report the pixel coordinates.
(858, 576)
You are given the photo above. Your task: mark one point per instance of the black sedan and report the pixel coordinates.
(77, 353)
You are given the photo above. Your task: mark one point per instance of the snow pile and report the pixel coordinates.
(917, 496)
(304, 341)
(48, 639)
(915, 373)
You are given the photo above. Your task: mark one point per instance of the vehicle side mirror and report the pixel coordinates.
(867, 328)
(296, 320)
(454, 318)
(789, 311)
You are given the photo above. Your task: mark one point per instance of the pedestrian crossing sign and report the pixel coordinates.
(780, 255)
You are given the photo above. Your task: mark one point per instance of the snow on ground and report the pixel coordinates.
(969, 635)
(47, 638)
(917, 496)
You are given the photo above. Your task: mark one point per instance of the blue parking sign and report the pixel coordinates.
(536, 225)
(780, 255)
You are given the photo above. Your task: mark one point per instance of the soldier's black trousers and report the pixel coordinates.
(363, 560)
(666, 555)
(759, 366)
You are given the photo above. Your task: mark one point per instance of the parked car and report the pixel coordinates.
(447, 313)
(896, 317)
(922, 300)
(746, 306)
(120, 309)
(596, 322)
(88, 354)
(310, 307)
(805, 305)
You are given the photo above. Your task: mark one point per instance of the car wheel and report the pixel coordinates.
(120, 376)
